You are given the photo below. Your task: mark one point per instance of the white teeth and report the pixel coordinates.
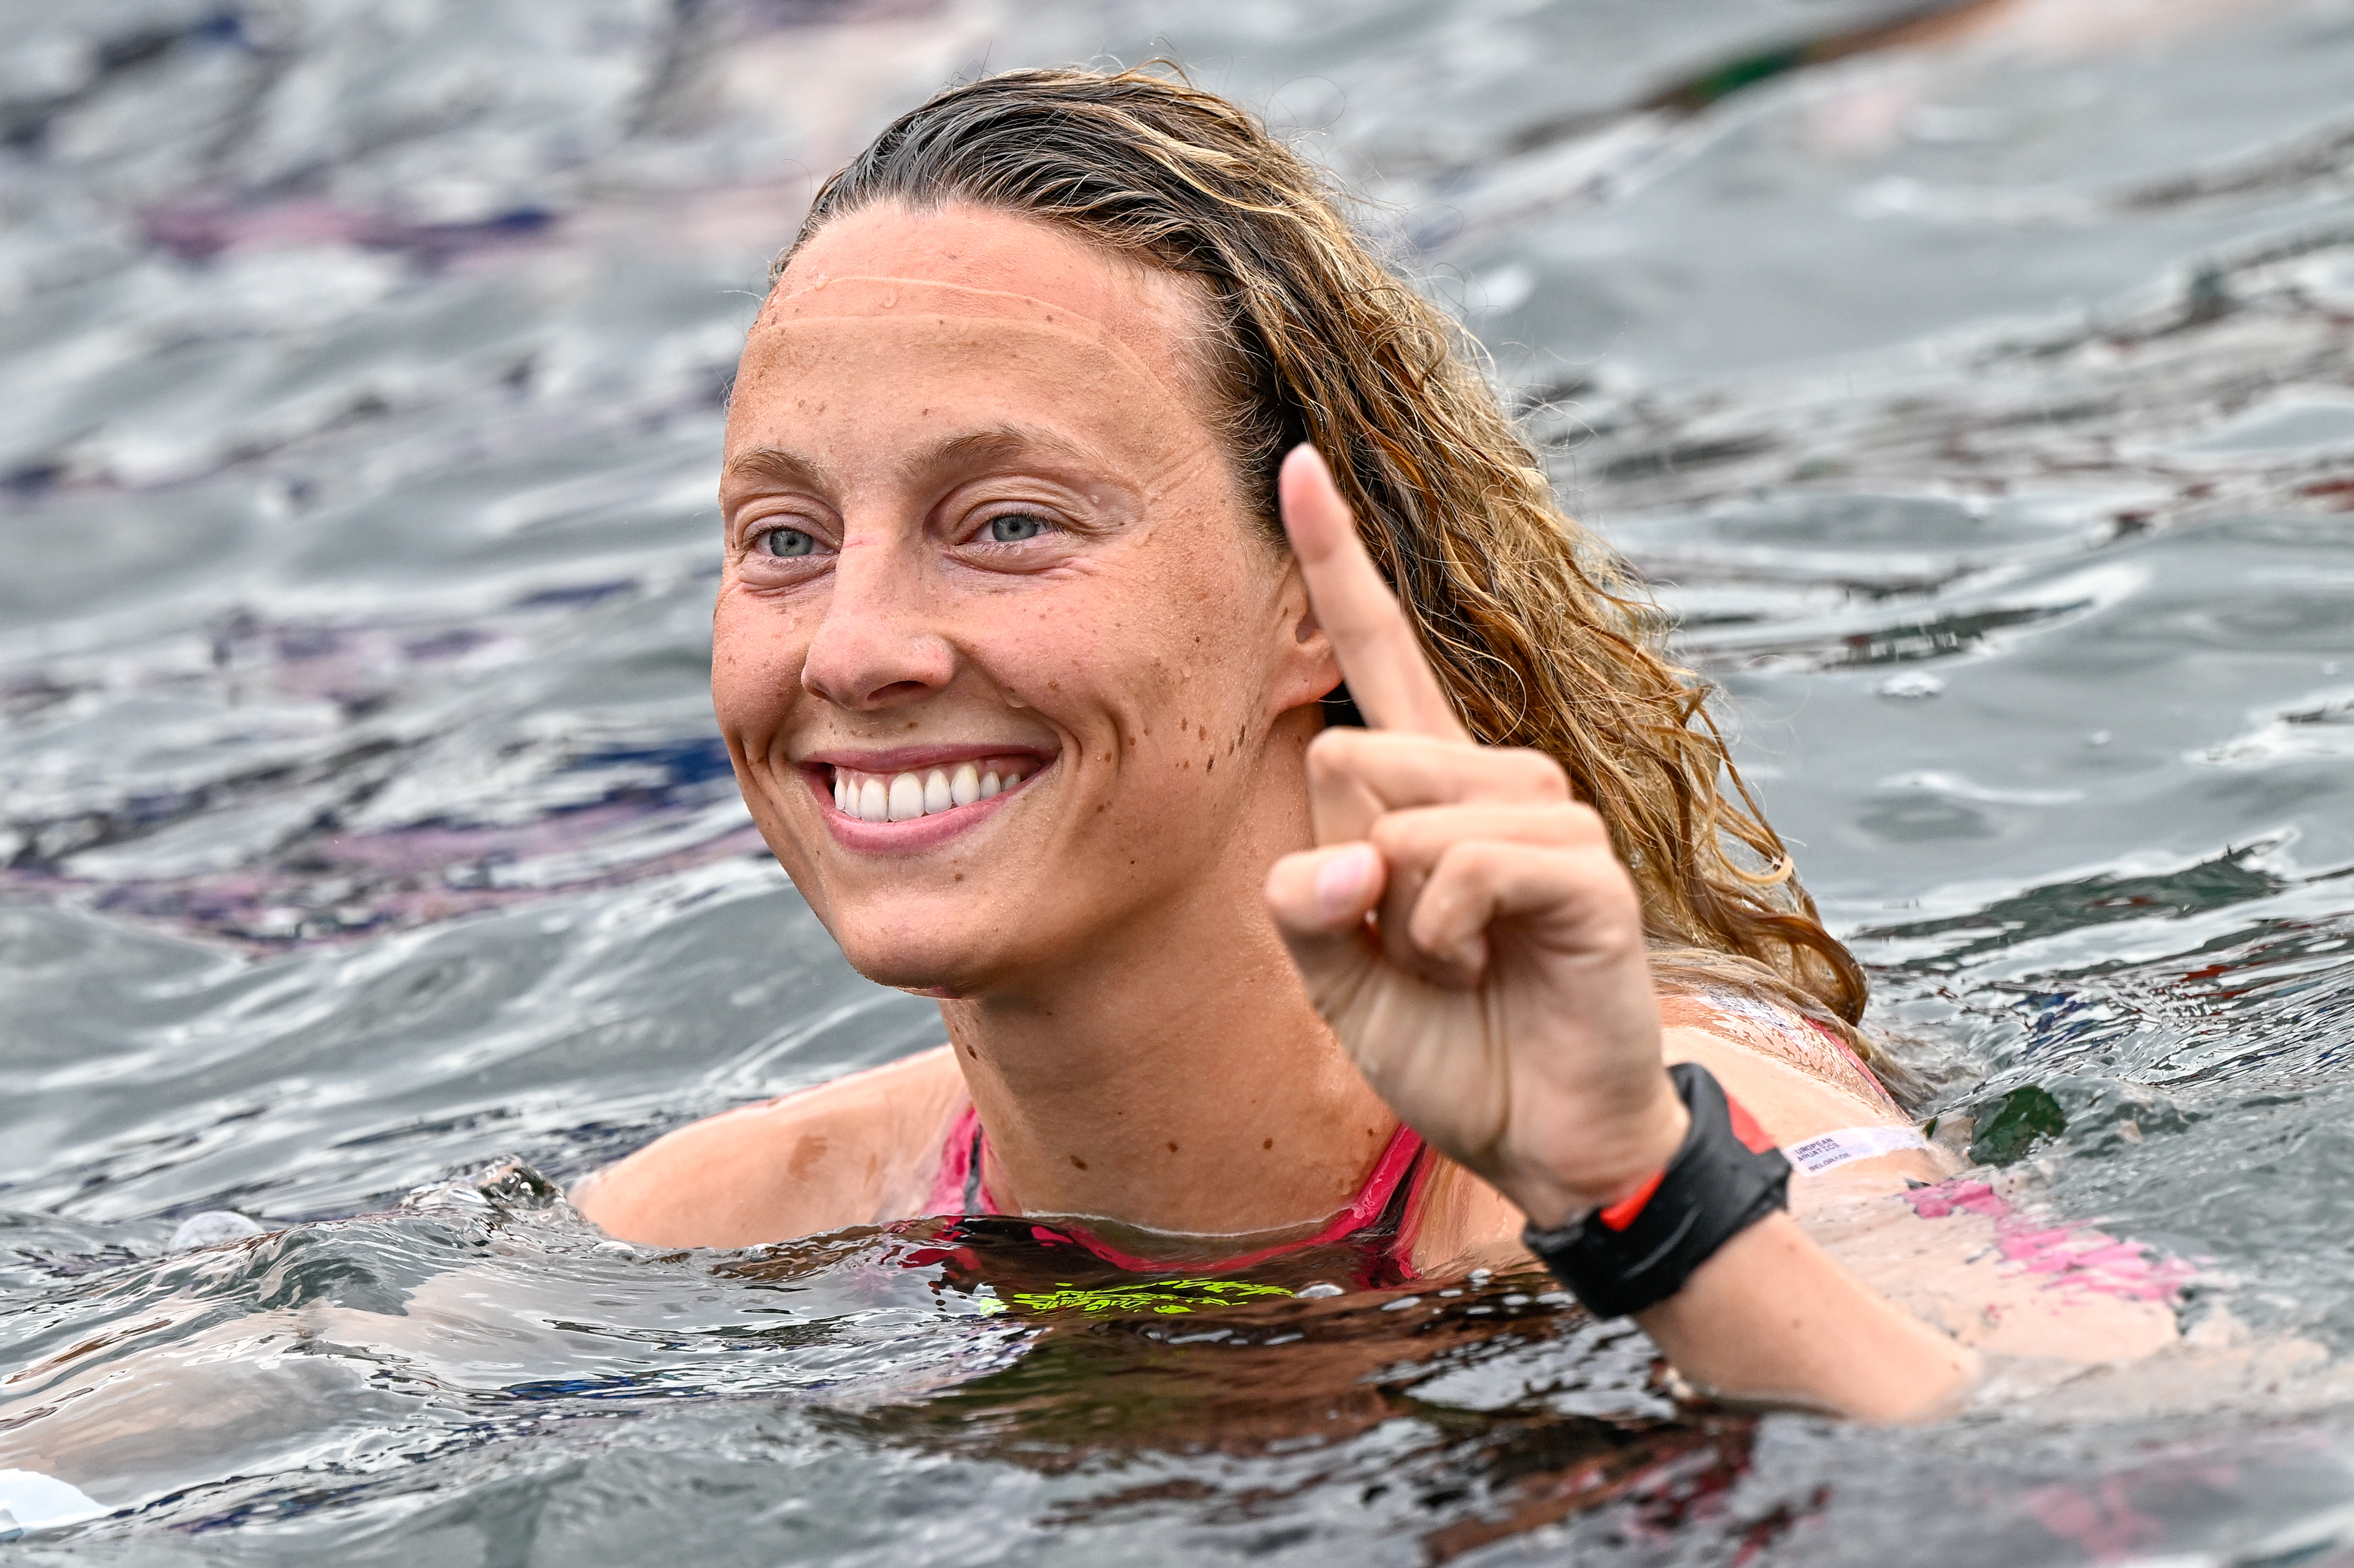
(904, 797)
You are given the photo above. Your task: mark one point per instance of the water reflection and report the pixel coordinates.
(1971, 385)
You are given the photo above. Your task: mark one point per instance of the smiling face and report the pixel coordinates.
(980, 532)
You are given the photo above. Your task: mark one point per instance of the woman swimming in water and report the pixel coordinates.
(1038, 605)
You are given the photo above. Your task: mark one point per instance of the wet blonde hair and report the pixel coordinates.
(1539, 633)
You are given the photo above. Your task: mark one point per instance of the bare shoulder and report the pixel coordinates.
(856, 1150)
(1459, 1222)
(1759, 1027)
(1794, 1100)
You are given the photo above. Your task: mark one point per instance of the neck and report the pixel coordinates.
(1179, 1079)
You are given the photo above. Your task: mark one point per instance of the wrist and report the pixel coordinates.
(1553, 1188)
(1724, 1177)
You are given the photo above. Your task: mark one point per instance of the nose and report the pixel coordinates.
(880, 644)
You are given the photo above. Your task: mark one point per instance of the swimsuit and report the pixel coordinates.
(1375, 1222)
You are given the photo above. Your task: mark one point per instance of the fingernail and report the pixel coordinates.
(1340, 882)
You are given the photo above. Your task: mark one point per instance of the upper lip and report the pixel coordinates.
(919, 759)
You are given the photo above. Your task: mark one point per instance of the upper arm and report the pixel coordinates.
(842, 1153)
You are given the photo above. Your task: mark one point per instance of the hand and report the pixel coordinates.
(1463, 924)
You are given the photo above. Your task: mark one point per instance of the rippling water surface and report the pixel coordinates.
(1977, 391)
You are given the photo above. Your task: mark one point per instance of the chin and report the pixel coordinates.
(940, 957)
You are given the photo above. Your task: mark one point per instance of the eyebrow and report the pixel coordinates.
(777, 466)
(1003, 443)
(998, 445)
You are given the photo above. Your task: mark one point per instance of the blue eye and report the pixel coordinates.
(786, 542)
(1015, 527)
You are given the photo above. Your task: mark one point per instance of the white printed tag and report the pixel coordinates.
(1826, 1149)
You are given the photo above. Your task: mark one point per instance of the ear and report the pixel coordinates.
(1306, 667)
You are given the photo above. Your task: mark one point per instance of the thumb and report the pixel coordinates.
(1320, 899)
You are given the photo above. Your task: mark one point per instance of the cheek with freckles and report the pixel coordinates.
(757, 697)
(1162, 691)
(755, 676)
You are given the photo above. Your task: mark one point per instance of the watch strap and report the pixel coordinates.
(1725, 1177)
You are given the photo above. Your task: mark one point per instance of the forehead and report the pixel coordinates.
(1154, 315)
(927, 328)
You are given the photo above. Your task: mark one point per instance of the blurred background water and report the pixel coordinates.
(1974, 382)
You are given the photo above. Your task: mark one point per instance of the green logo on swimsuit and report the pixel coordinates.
(1160, 1295)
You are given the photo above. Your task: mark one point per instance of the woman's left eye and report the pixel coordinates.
(1015, 527)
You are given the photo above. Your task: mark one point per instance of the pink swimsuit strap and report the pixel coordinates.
(960, 1188)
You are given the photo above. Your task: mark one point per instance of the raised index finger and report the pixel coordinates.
(1391, 682)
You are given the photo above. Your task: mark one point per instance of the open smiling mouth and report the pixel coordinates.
(926, 792)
